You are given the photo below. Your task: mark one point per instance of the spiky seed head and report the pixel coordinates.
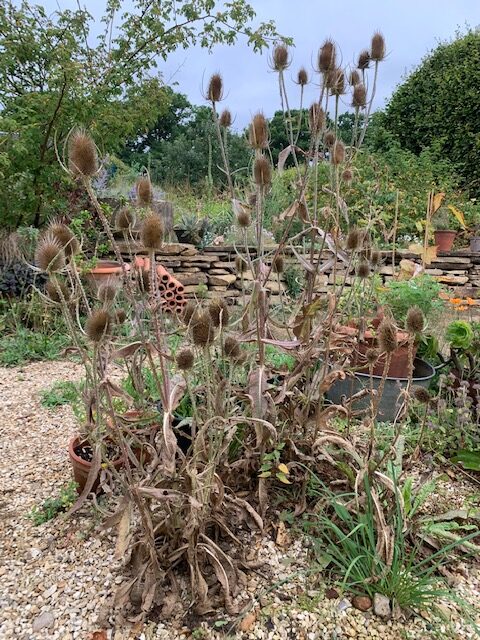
(107, 291)
(353, 78)
(371, 355)
(241, 265)
(98, 325)
(363, 60)
(225, 119)
(120, 316)
(363, 269)
(387, 337)
(327, 56)
(347, 176)
(189, 312)
(218, 311)
(316, 118)
(185, 359)
(144, 191)
(359, 96)
(302, 77)
(335, 81)
(65, 237)
(338, 152)
(377, 49)
(82, 154)
(280, 59)
(415, 321)
(49, 255)
(262, 171)
(354, 239)
(422, 395)
(143, 280)
(278, 264)
(151, 232)
(215, 88)
(202, 330)
(329, 138)
(375, 257)
(125, 218)
(232, 348)
(243, 218)
(53, 292)
(258, 132)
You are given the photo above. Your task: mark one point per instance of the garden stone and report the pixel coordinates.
(381, 606)
(44, 621)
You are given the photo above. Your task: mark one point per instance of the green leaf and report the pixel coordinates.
(468, 459)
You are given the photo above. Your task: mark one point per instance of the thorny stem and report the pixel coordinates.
(223, 151)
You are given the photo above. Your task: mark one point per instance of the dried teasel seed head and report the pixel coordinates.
(329, 138)
(243, 218)
(232, 348)
(119, 316)
(98, 325)
(49, 255)
(82, 154)
(422, 395)
(125, 218)
(316, 118)
(151, 232)
(218, 311)
(262, 171)
(302, 77)
(372, 355)
(375, 257)
(278, 264)
(347, 176)
(185, 359)
(225, 119)
(280, 59)
(363, 60)
(144, 191)
(190, 311)
(202, 330)
(107, 291)
(354, 239)
(52, 290)
(327, 56)
(65, 237)
(359, 96)
(377, 48)
(215, 88)
(258, 132)
(353, 78)
(363, 269)
(241, 265)
(415, 321)
(335, 81)
(387, 337)
(337, 155)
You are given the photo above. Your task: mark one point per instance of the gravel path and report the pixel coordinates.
(57, 579)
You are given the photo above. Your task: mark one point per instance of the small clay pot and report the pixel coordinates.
(105, 270)
(444, 239)
(81, 468)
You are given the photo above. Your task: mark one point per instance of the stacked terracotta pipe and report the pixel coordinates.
(172, 292)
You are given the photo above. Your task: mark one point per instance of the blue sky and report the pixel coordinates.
(411, 29)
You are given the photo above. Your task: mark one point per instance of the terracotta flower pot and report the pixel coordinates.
(444, 239)
(105, 270)
(81, 468)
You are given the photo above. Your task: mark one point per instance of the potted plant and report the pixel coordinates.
(444, 231)
(191, 229)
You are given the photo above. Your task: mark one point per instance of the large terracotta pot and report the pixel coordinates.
(444, 239)
(81, 468)
(105, 270)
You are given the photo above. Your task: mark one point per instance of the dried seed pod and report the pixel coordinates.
(347, 176)
(329, 138)
(243, 218)
(302, 77)
(375, 258)
(151, 232)
(338, 153)
(241, 265)
(258, 132)
(353, 78)
(327, 56)
(225, 119)
(316, 118)
(387, 337)
(415, 321)
(119, 316)
(49, 255)
(98, 325)
(232, 348)
(280, 59)
(65, 237)
(354, 239)
(144, 191)
(422, 395)
(335, 81)
(52, 290)
(189, 312)
(202, 330)
(363, 269)
(359, 96)
(372, 355)
(278, 264)
(215, 88)
(377, 49)
(82, 154)
(218, 311)
(107, 291)
(262, 171)
(185, 359)
(125, 218)
(363, 60)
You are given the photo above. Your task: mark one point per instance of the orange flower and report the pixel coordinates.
(462, 308)
(456, 301)
(470, 301)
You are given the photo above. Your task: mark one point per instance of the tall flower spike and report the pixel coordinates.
(82, 154)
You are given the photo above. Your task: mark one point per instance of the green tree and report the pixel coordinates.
(438, 107)
(55, 74)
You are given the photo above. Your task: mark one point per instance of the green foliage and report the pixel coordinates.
(436, 107)
(279, 359)
(459, 334)
(293, 281)
(58, 394)
(468, 459)
(52, 507)
(423, 292)
(27, 345)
